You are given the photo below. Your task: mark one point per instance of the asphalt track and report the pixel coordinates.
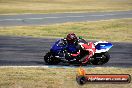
(45, 19)
(27, 51)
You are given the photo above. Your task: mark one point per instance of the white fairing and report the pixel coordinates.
(102, 46)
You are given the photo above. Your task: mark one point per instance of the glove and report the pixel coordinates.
(74, 55)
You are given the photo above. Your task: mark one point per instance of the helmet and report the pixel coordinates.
(71, 38)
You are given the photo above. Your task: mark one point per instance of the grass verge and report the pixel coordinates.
(53, 6)
(111, 30)
(55, 77)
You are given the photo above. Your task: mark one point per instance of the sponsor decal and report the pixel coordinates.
(83, 78)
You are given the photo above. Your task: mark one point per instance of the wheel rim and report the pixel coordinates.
(49, 59)
(102, 60)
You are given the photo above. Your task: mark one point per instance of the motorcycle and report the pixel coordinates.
(58, 53)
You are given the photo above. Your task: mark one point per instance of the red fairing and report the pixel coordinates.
(90, 47)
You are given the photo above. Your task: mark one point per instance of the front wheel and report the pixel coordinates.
(50, 59)
(100, 59)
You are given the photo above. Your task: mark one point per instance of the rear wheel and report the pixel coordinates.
(100, 61)
(50, 59)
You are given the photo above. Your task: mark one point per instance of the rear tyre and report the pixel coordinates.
(50, 59)
(100, 61)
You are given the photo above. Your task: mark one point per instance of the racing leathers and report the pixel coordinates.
(78, 50)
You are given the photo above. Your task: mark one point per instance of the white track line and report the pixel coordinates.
(45, 66)
(74, 16)
(57, 17)
(52, 17)
(24, 66)
(10, 19)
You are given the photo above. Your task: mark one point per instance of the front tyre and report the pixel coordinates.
(50, 59)
(104, 58)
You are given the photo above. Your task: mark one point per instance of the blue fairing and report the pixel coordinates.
(59, 46)
(100, 46)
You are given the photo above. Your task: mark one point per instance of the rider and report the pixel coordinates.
(74, 47)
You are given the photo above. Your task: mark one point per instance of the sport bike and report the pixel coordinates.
(59, 53)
